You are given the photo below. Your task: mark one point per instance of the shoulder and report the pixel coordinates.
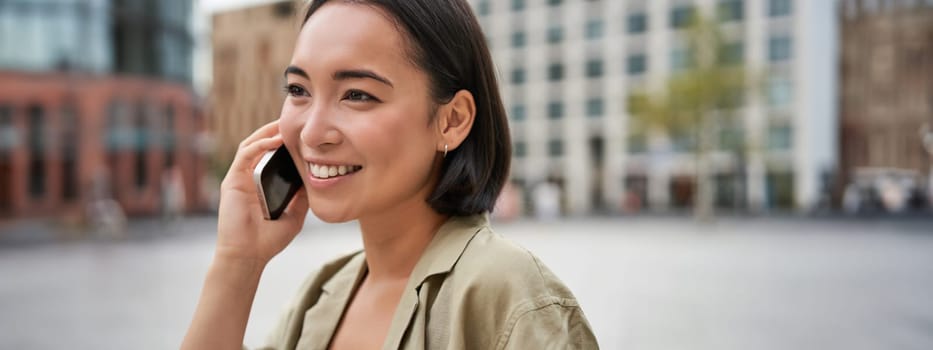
(518, 295)
(504, 266)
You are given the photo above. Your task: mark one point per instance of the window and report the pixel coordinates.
(7, 133)
(730, 138)
(518, 76)
(637, 143)
(730, 10)
(732, 54)
(683, 141)
(680, 60)
(555, 72)
(70, 144)
(594, 29)
(780, 92)
(779, 48)
(637, 23)
(594, 68)
(778, 8)
(483, 7)
(555, 110)
(37, 174)
(518, 112)
(168, 137)
(780, 190)
(637, 64)
(779, 137)
(519, 149)
(555, 34)
(555, 148)
(141, 131)
(681, 16)
(518, 39)
(518, 5)
(594, 107)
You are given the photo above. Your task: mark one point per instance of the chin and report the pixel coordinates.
(331, 216)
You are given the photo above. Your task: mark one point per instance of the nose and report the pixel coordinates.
(319, 131)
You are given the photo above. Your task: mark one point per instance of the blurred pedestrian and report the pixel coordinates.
(393, 118)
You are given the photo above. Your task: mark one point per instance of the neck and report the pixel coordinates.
(394, 240)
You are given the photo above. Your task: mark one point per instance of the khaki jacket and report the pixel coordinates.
(471, 289)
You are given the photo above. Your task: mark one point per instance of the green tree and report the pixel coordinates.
(697, 100)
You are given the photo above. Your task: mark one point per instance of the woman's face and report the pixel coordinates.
(356, 118)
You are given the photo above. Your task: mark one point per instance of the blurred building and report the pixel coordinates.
(96, 103)
(886, 92)
(567, 67)
(252, 46)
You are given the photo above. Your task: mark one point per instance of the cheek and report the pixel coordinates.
(290, 126)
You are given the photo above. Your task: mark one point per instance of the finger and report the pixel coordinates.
(247, 157)
(264, 131)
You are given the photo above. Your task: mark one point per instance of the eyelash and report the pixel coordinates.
(295, 90)
(361, 96)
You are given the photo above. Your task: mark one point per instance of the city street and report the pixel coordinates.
(644, 283)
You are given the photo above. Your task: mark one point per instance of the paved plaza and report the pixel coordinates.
(644, 283)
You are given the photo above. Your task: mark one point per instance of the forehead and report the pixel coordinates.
(350, 35)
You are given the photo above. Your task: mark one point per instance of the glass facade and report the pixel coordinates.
(40, 35)
(146, 37)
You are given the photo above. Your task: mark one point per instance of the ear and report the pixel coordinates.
(455, 120)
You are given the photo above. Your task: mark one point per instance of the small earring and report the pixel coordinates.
(445, 150)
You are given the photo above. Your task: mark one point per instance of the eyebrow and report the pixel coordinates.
(361, 74)
(343, 74)
(297, 71)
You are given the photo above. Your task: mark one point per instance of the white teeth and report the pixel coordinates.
(329, 171)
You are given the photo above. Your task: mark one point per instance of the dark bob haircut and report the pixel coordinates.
(446, 42)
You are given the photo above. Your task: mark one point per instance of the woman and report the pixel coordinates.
(394, 119)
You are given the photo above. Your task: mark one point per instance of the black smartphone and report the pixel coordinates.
(277, 181)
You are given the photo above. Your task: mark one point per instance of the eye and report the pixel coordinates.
(359, 96)
(295, 90)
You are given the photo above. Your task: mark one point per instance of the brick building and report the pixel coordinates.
(96, 101)
(886, 89)
(248, 63)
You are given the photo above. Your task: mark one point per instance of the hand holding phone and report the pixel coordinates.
(277, 181)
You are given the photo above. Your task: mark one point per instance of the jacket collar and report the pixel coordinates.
(439, 257)
(446, 247)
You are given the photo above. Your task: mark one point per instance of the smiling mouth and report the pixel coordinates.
(328, 171)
